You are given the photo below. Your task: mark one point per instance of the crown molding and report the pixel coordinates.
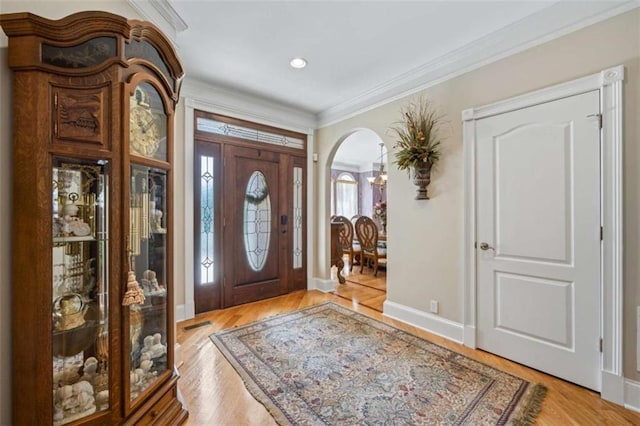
(246, 106)
(555, 21)
(550, 23)
(161, 14)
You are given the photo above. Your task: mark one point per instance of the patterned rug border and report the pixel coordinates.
(523, 415)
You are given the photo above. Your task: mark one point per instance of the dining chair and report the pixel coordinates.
(345, 237)
(367, 233)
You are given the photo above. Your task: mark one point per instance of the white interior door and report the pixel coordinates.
(538, 237)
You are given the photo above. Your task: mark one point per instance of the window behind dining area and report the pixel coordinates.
(346, 193)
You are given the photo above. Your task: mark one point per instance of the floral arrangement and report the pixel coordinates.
(380, 212)
(417, 133)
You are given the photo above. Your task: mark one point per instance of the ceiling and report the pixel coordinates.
(351, 46)
(359, 53)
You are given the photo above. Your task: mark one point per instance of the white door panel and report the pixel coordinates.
(538, 186)
(532, 182)
(518, 298)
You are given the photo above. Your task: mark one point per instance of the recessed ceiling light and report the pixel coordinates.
(298, 63)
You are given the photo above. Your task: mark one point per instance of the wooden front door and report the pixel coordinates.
(254, 249)
(249, 212)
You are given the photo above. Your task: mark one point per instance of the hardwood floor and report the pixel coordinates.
(215, 395)
(363, 288)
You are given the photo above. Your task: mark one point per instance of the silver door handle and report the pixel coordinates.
(486, 246)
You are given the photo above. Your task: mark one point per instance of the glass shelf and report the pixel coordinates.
(62, 240)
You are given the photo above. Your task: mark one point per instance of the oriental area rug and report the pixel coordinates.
(328, 365)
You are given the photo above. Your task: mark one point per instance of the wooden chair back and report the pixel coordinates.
(367, 233)
(345, 236)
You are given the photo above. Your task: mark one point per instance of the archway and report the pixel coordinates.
(356, 182)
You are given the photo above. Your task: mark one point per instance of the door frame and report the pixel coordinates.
(184, 219)
(609, 83)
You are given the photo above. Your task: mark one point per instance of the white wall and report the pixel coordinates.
(53, 10)
(425, 237)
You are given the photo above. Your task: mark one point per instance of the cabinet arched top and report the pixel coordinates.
(87, 43)
(135, 80)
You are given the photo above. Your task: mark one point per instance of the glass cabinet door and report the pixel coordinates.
(147, 123)
(148, 276)
(80, 339)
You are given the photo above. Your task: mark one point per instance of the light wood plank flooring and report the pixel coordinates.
(363, 288)
(215, 395)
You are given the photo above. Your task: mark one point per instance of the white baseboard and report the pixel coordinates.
(323, 285)
(185, 312)
(189, 310)
(632, 395)
(180, 313)
(613, 388)
(432, 323)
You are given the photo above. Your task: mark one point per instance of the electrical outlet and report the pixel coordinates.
(434, 306)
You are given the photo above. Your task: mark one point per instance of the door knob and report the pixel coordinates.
(485, 246)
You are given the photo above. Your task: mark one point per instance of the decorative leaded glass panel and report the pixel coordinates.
(207, 259)
(257, 221)
(297, 217)
(220, 128)
(91, 52)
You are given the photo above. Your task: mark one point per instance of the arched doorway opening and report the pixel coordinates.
(357, 181)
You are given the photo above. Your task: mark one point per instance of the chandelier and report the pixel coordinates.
(379, 179)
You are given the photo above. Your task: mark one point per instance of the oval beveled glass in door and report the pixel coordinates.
(257, 221)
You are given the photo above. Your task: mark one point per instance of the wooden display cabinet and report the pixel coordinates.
(93, 329)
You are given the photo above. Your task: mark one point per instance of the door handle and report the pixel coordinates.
(486, 246)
